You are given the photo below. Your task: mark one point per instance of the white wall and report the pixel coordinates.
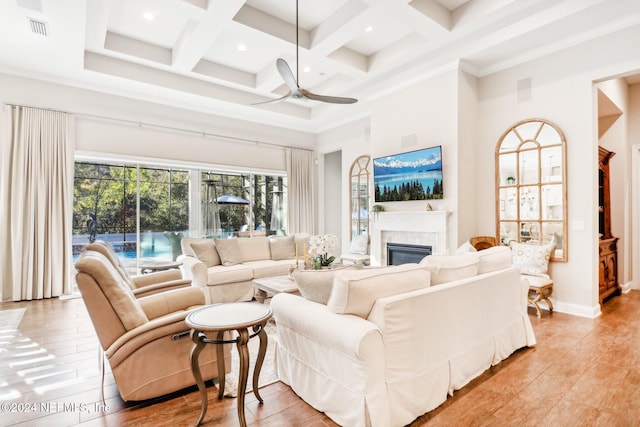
(468, 156)
(353, 140)
(331, 186)
(562, 92)
(634, 142)
(422, 116)
(128, 138)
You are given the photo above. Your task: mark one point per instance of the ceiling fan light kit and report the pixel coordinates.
(295, 91)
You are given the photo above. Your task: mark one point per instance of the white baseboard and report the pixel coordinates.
(577, 310)
(626, 287)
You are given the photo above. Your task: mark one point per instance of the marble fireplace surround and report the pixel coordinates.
(427, 228)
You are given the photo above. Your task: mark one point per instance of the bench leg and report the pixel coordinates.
(545, 294)
(535, 304)
(541, 294)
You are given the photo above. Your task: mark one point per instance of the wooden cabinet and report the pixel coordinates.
(608, 277)
(608, 247)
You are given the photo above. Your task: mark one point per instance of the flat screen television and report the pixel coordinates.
(415, 175)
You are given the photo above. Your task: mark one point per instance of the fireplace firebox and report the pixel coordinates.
(401, 253)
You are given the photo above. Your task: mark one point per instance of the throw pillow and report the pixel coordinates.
(359, 244)
(355, 291)
(254, 248)
(465, 248)
(315, 285)
(207, 253)
(283, 248)
(229, 251)
(531, 259)
(494, 258)
(186, 242)
(447, 268)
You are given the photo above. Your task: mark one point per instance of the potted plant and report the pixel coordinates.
(376, 209)
(319, 247)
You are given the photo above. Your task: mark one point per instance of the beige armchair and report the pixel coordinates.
(145, 340)
(146, 284)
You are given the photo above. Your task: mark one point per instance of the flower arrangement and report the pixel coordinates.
(319, 248)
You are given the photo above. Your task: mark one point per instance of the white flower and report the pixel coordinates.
(322, 244)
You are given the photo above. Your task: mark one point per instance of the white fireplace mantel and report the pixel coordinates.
(429, 227)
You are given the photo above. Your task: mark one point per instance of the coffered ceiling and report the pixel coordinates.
(218, 56)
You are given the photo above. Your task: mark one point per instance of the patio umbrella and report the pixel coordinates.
(230, 199)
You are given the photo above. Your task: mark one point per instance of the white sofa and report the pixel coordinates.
(390, 345)
(225, 268)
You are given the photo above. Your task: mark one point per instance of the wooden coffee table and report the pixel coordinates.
(273, 285)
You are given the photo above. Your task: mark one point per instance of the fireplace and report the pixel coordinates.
(401, 253)
(424, 228)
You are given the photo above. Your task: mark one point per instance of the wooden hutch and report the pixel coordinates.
(608, 261)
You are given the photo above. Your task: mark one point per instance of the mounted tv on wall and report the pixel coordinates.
(416, 175)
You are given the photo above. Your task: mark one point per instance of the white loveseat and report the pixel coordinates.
(225, 268)
(390, 345)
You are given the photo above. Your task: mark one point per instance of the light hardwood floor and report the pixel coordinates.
(583, 372)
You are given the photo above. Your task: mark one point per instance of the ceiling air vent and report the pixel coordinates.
(38, 27)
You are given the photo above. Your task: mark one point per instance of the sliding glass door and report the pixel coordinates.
(144, 211)
(243, 205)
(139, 210)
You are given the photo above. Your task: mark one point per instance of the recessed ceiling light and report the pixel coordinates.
(148, 16)
(306, 69)
(242, 47)
(369, 29)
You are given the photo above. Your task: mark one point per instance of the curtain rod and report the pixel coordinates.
(165, 127)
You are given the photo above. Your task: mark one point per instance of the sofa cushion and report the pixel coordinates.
(254, 248)
(494, 258)
(316, 285)
(229, 251)
(269, 267)
(206, 252)
(447, 268)
(531, 259)
(221, 274)
(186, 243)
(355, 291)
(283, 247)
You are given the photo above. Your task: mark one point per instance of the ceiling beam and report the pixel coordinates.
(198, 36)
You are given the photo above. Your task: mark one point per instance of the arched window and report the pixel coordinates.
(531, 198)
(359, 206)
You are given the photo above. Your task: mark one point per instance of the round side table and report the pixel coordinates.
(217, 319)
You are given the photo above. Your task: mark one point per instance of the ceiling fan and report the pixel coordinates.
(295, 91)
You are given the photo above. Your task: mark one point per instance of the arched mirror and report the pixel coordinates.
(531, 197)
(359, 183)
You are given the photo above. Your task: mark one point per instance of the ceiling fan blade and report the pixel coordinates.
(269, 101)
(287, 75)
(330, 99)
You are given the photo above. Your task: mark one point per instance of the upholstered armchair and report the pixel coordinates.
(145, 340)
(143, 285)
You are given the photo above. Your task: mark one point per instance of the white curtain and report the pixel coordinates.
(301, 181)
(36, 202)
